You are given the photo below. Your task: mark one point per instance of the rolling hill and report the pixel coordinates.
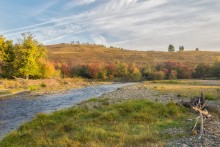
(83, 54)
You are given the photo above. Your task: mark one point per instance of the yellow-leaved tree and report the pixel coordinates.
(28, 53)
(47, 70)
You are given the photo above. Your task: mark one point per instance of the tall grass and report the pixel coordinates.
(131, 123)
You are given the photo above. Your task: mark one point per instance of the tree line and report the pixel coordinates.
(130, 72)
(28, 59)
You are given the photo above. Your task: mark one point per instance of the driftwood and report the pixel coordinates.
(18, 79)
(198, 105)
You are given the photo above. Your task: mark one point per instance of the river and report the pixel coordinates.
(17, 110)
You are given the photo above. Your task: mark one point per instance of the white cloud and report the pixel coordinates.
(75, 3)
(136, 24)
(99, 39)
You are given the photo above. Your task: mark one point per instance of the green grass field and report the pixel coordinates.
(131, 123)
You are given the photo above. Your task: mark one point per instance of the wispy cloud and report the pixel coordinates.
(74, 3)
(133, 24)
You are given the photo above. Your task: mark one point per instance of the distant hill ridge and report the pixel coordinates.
(85, 54)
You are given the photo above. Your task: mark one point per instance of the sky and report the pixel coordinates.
(131, 24)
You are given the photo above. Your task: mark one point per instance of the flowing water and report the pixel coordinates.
(15, 111)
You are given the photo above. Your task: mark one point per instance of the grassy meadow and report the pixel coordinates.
(84, 54)
(130, 123)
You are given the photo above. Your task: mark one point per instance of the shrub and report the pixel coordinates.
(148, 72)
(134, 73)
(83, 71)
(110, 71)
(121, 69)
(47, 70)
(201, 71)
(209, 97)
(158, 75)
(66, 70)
(216, 68)
(43, 85)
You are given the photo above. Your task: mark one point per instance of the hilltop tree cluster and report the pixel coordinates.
(171, 48)
(26, 58)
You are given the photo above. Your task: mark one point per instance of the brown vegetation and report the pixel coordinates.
(85, 54)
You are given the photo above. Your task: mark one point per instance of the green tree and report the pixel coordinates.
(216, 67)
(7, 56)
(171, 48)
(181, 48)
(202, 70)
(121, 70)
(148, 72)
(27, 54)
(197, 49)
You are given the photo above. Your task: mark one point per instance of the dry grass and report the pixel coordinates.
(78, 54)
(189, 88)
(41, 86)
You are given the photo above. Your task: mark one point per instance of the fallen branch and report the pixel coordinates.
(198, 105)
(196, 123)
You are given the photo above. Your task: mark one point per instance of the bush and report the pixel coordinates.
(216, 68)
(83, 71)
(47, 70)
(148, 72)
(210, 97)
(110, 71)
(134, 73)
(158, 75)
(201, 71)
(66, 70)
(43, 85)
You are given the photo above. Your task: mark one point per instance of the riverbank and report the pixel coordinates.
(131, 123)
(17, 110)
(21, 87)
(147, 113)
(177, 92)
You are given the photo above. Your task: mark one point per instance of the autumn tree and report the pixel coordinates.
(110, 71)
(184, 71)
(171, 48)
(47, 70)
(121, 70)
(28, 51)
(7, 56)
(134, 73)
(66, 70)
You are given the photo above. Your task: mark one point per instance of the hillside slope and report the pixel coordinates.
(78, 54)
